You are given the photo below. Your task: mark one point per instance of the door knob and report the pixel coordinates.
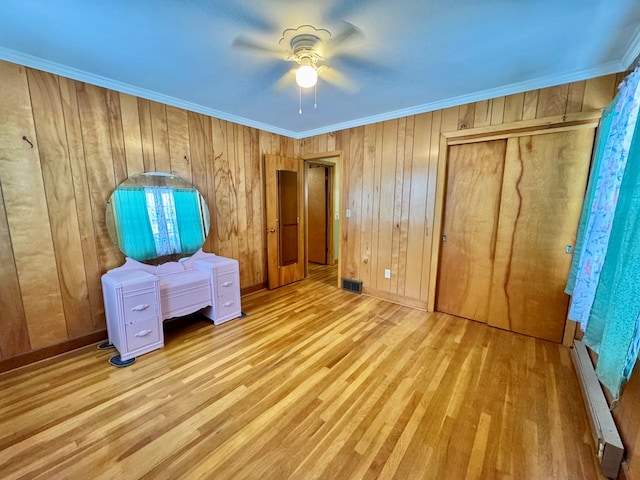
(271, 230)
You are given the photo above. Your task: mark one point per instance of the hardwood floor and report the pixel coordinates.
(314, 383)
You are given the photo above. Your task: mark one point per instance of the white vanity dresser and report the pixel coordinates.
(138, 296)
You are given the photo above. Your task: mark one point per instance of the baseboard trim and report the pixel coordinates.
(51, 351)
(253, 288)
(394, 298)
(608, 444)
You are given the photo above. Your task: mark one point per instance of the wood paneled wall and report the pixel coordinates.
(64, 146)
(82, 140)
(389, 176)
(627, 417)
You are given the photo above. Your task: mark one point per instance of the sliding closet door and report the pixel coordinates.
(474, 180)
(545, 178)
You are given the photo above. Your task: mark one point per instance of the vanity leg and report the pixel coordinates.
(106, 345)
(209, 313)
(117, 361)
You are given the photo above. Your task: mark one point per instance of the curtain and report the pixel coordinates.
(135, 237)
(189, 219)
(605, 275)
(164, 224)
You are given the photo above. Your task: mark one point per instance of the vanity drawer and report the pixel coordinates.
(142, 332)
(140, 306)
(226, 283)
(228, 297)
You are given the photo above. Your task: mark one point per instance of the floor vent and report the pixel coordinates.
(605, 434)
(352, 285)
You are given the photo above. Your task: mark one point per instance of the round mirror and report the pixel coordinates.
(155, 215)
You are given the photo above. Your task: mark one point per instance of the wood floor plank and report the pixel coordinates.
(315, 382)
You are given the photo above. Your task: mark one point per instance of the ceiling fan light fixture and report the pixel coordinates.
(306, 76)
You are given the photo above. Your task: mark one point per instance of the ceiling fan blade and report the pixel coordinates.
(253, 46)
(285, 81)
(334, 77)
(245, 16)
(347, 7)
(360, 63)
(348, 31)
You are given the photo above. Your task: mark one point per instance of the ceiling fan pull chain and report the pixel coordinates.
(300, 100)
(315, 96)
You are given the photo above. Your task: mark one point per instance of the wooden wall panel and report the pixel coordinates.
(233, 186)
(63, 212)
(200, 147)
(118, 154)
(146, 135)
(417, 233)
(367, 213)
(225, 193)
(179, 153)
(242, 233)
(82, 200)
(160, 136)
(92, 105)
(132, 136)
(27, 212)
(354, 197)
(14, 337)
(627, 417)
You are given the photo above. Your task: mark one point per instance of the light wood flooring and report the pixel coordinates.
(314, 383)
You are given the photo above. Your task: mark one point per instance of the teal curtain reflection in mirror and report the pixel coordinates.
(189, 218)
(135, 237)
(164, 224)
(155, 215)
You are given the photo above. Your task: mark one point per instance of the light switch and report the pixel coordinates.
(348, 213)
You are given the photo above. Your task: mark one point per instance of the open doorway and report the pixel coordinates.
(322, 213)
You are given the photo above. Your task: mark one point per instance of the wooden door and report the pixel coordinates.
(474, 180)
(285, 234)
(544, 183)
(317, 183)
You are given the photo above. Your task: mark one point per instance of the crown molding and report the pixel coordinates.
(100, 81)
(41, 64)
(633, 51)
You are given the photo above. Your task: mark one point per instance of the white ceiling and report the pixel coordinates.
(412, 56)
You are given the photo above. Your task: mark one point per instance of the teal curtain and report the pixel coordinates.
(189, 219)
(134, 230)
(612, 330)
(605, 276)
(603, 134)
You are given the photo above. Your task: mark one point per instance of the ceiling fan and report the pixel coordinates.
(310, 48)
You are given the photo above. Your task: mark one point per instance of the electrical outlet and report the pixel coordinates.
(387, 273)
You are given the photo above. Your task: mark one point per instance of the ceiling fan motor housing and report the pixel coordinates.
(303, 47)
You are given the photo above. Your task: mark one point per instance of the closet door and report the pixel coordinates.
(474, 180)
(545, 179)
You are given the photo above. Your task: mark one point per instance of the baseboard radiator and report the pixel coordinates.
(605, 434)
(352, 285)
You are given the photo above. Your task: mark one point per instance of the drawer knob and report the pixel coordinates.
(143, 333)
(139, 308)
(227, 304)
(227, 284)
